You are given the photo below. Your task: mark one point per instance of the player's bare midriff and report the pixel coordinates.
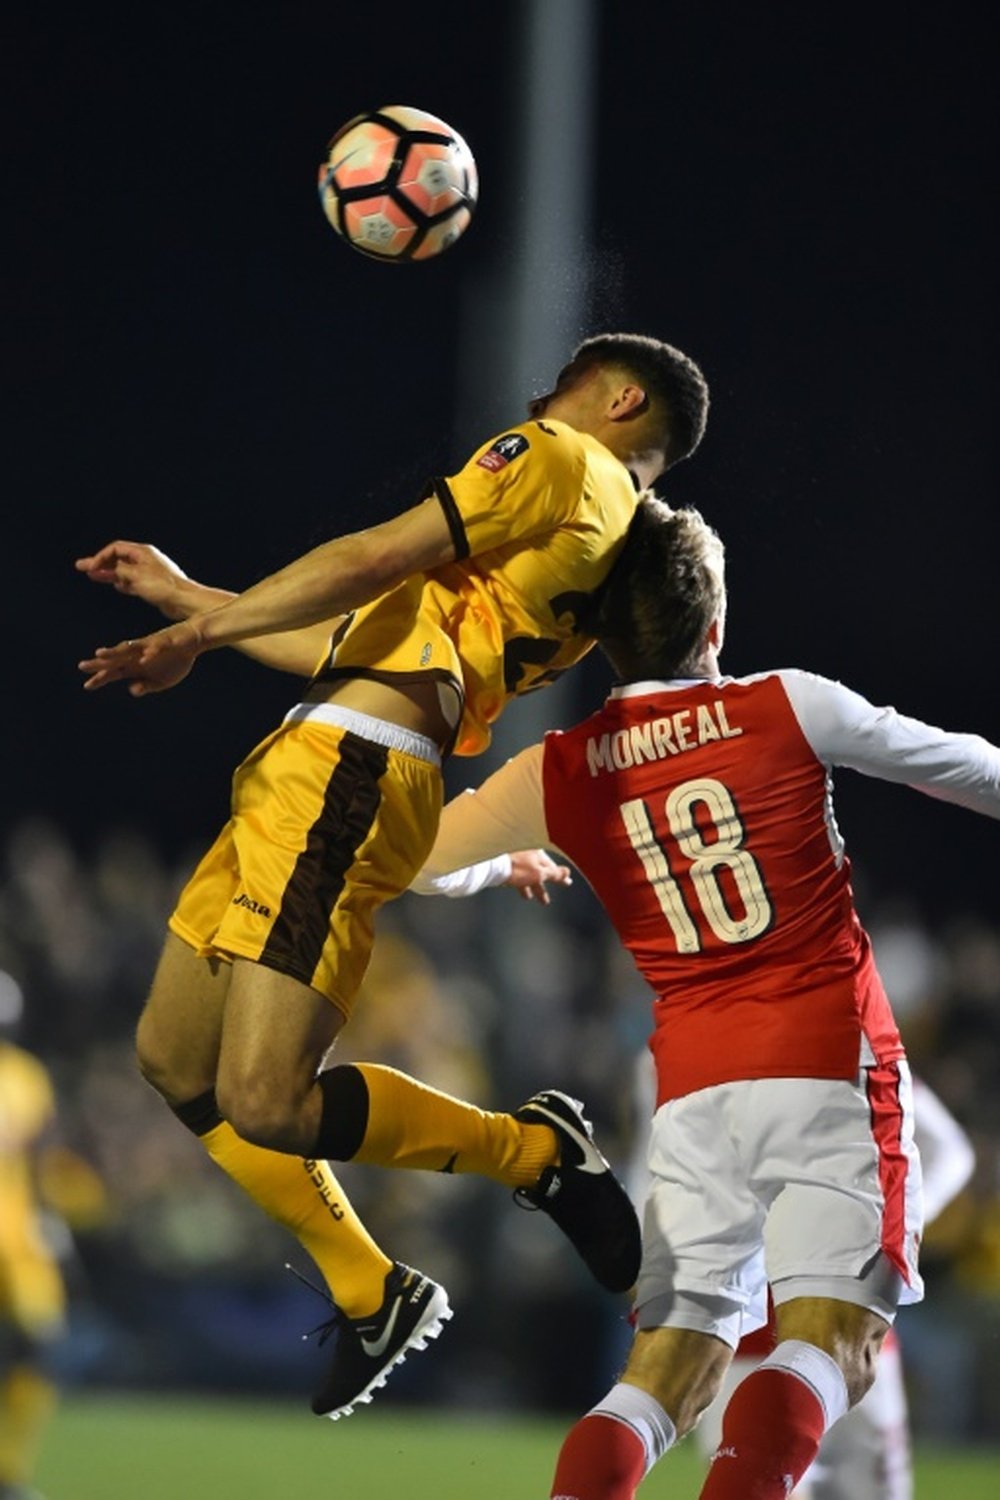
(415, 706)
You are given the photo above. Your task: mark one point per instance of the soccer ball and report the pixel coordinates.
(398, 184)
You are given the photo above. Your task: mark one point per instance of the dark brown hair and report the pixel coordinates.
(653, 614)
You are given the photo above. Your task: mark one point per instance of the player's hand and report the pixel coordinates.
(531, 871)
(137, 568)
(149, 665)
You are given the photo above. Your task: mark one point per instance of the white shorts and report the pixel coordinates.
(810, 1184)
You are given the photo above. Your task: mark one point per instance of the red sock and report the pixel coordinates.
(771, 1432)
(601, 1459)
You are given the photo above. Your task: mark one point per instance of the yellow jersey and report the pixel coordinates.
(538, 515)
(31, 1288)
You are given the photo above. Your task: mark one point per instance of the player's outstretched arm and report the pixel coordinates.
(477, 828)
(528, 871)
(142, 570)
(330, 580)
(532, 871)
(844, 729)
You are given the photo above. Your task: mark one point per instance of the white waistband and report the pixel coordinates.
(380, 731)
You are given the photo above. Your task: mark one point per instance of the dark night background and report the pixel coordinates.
(801, 197)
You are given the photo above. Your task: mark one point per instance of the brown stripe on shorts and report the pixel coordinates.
(350, 805)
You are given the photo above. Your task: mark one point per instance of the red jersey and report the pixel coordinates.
(706, 839)
(701, 814)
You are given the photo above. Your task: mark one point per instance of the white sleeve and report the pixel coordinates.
(844, 729)
(504, 814)
(478, 877)
(946, 1155)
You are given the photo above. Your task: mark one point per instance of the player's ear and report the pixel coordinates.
(628, 400)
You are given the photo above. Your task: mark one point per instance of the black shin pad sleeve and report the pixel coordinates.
(345, 1113)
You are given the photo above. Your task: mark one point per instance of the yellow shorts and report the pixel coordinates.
(333, 814)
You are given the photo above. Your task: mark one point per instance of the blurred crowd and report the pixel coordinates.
(178, 1281)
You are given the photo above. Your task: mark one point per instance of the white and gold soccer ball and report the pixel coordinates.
(398, 184)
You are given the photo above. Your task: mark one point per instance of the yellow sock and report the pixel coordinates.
(411, 1125)
(26, 1403)
(306, 1198)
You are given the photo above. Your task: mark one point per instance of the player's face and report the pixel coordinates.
(564, 402)
(593, 399)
